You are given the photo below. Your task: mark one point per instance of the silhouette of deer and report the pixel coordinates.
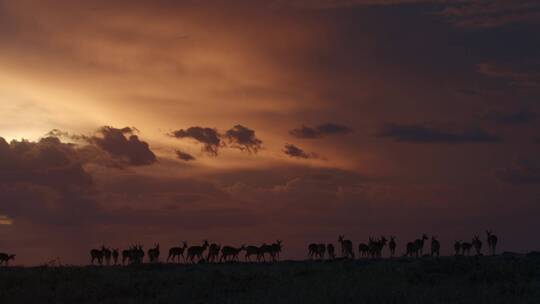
(492, 241)
(346, 247)
(313, 250)
(419, 244)
(107, 253)
(153, 253)
(411, 249)
(5, 258)
(331, 251)
(213, 253)
(377, 247)
(197, 251)
(466, 248)
(392, 246)
(96, 255)
(263, 250)
(477, 243)
(275, 250)
(133, 255)
(177, 252)
(252, 251)
(457, 248)
(115, 256)
(363, 250)
(435, 246)
(229, 253)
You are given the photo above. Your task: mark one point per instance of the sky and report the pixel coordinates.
(244, 122)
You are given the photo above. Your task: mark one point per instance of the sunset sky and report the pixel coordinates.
(243, 122)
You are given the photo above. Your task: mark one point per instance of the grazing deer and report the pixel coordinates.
(331, 251)
(107, 253)
(197, 251)
(96, 254)
(177, 252)
(492, 241)
(435, 246)
(346, 247)
(466, 248)
(115, 256)
(213, 253)
(419, 244)
(5, 258)
(250, 251)
(363, 250)
(275, 250)
(392, 246)
(229, 253)
(477, 243)
(411, 249)
(153, 253)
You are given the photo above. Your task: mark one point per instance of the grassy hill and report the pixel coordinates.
(502, 279)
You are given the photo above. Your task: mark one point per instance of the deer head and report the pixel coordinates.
(424, 237)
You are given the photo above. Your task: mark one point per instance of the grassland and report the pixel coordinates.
(502, 279)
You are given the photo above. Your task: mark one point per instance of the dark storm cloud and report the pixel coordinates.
(419, 133)
(320, 131)
(184, 156)
(511, 118)
(522, 171)
(243, 138)
(210, 138)
(294, 151)
(116, 142)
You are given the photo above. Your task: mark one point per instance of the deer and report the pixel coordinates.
(331, 251)
(263, 250)
(115, 256)
(411, 249)
(134, 255)
(466, 248)
(153, 253)
(177, 252)
(392, 246)
(419, 244)
(457, 247)
(96, 255)
(313, 250)
(435, 246)
(477, 243)
(275, 250)
(363, 250)
(346, 247)
(213, 252)
(250, 251)
(492, 241)
(107, 253)
(5, 258)
(379, 246)
(229, 253)
(197, 251)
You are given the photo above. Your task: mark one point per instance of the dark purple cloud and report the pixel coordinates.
(420, 133)
(118, 144)
(521, 171)
(184, 156)
(511, 118)
(210, 138)
(320, 131)
(243, 138)
(296, 152)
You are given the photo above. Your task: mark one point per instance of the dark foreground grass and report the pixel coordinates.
(445, 280)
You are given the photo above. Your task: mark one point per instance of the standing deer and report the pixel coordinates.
(275, 250)
(153, 254)
(107, 253)
(197, 251)
(331, 251)
(177, 252)
(466, 248)
(457, 248)
(229, 253)
(213, 253)
(115, 256)
(313, 250)
(392, 246)
(346, 247)
(435, 246)
(411, 249)
(363, 250)
(250, 251)
(419, 244)
(96, 255)
(5, 258)
(492, 241)
(477, 243)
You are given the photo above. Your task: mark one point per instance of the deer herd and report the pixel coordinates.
(216, 253)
